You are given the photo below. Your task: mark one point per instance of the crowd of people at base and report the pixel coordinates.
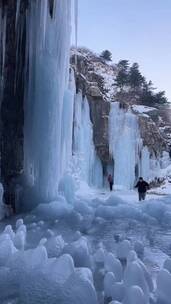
(141, 185)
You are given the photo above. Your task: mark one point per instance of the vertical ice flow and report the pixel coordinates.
(48, 43)
(88, 164)
(124, 141)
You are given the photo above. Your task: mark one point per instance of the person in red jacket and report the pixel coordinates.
(110, 181)
(142, 186)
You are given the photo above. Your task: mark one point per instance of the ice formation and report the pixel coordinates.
(49, 97)
(124, 141)
(89, 167)
(131, 158)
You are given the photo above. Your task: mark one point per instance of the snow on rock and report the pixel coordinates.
(142, 109)
(164, 287)
(123, 249)
(135, 295)
(111, 264)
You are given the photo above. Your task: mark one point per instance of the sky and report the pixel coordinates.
(137, 30)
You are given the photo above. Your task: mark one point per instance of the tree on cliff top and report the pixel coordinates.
(122, 76)
(107, 55)
(136, 80)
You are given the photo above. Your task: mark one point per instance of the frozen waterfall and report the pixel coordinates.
(131, 158)
(88, 165)
(48, 99)
(124, 141)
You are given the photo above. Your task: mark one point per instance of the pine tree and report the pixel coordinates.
(136, 80)
(107, 55)
(122, 76)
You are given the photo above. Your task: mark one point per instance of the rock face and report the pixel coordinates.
(92, 85)
(151, 136)
(13, 38)
(96, 79)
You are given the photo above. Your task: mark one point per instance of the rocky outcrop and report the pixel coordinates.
(151, 136)
(96, 79)
(92, 86)
(13, 39)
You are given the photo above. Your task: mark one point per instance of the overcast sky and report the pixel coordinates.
(137, 30)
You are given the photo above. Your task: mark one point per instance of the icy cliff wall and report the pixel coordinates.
(127, 139)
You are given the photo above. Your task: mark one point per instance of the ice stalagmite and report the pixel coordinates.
(47, 96)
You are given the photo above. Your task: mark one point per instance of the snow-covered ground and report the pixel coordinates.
(101, 247)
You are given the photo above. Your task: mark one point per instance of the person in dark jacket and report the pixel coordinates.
(110, 180)
(142, 186)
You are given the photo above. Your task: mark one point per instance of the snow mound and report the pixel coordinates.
(54, 210)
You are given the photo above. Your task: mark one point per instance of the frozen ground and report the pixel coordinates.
(100, 247)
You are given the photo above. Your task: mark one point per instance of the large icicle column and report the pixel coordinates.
(48, 44)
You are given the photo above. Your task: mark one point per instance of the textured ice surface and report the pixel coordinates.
(113, 265)
(87, 164)
(56, 263)
(134, 275)
(49, 97)
(164, 287)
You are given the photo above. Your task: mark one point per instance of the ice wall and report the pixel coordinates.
(131, 158)
(88, 165)
(48, 100)
(124, 141)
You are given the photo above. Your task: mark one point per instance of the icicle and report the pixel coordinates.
(76, 28)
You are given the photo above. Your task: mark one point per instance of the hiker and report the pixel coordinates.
(110, 180)
(142, 186)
